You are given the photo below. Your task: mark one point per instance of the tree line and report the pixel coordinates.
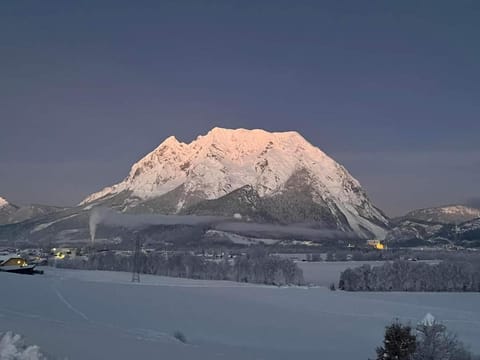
(452, 276)
(256, 266)
(397, 254)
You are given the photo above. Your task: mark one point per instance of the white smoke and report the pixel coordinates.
(292, 231)
(102, 215)
(96, 216)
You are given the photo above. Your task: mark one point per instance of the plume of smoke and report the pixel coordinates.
(283, 231)
(102, 215)
(96, 216)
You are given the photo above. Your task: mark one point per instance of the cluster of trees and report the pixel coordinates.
(430, 341)
(257, 266)
(395, 254)
(413, 276)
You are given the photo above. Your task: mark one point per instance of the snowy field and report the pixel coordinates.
(101, 315)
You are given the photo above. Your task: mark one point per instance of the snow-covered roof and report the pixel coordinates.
(4, 258)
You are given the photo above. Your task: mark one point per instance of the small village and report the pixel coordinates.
(25, 261)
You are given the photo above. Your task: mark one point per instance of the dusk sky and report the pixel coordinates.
(390, 89)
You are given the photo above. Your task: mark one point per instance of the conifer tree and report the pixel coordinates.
(399, 343)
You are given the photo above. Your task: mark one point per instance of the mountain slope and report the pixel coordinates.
(445, 214)
(293, 181)
(10, 213)
(7, 211)
(454, 224)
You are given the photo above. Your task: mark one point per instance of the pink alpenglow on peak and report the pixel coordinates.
(224, 160)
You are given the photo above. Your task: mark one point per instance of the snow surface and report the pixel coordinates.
(225, 160)
(102, 315)
(46, 225)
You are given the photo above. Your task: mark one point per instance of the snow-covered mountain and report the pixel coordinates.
(11, 213)
(268, 177)
(6, 211)
(452, 214)
(438, 225)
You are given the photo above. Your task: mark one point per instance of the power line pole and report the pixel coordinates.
(136, 259)
(457, 232)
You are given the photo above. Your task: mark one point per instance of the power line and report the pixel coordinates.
(136, 259)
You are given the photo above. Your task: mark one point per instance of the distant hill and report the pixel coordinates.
(452, 214)
(11, 213)
(446, 225)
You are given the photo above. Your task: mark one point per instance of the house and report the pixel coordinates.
(16, 264)
(63, 252)
(376, 244)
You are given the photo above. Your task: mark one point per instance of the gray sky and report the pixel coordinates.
(390, 89)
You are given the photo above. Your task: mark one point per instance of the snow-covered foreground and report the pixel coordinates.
(101, 315)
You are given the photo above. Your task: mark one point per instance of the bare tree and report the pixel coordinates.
(435, 342)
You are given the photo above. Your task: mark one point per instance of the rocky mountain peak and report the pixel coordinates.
(273, 164)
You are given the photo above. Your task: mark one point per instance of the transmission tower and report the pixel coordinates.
(136, 260)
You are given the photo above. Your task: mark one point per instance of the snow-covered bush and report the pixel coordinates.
(13, 347)
(180, 336)
(436, 342)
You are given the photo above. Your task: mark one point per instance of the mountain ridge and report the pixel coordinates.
(12, 213)
(438, 225)
(273, 164)
(446, 214)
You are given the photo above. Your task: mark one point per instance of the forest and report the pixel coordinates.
(401, 275)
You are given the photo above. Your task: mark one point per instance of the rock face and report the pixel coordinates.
(266, 177)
